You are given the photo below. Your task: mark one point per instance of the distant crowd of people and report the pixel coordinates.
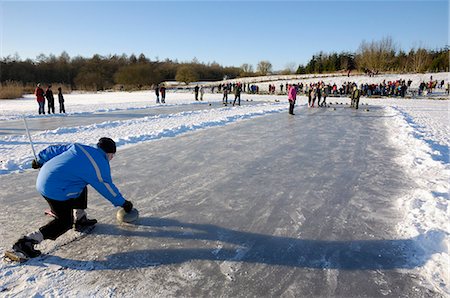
(398, 88)
(235, 88)
(231, 88)
(315, 91)
(320, 91)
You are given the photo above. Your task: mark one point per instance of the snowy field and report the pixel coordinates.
(419, 133)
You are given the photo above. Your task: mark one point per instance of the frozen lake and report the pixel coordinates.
(300, 206)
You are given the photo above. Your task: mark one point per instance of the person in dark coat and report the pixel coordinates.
(310, 97)
(157, 93)
(318, 94)
(61, 101)
(196, 88)
(237, 94)
(50, 99)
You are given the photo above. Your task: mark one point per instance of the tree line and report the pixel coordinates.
(105, 72)
(379, 56)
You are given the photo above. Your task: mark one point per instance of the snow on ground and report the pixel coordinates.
(16, 153)
(420, 130)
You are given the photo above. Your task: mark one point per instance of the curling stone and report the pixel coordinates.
(132, 216)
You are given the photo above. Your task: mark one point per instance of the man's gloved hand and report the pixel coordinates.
(127, 206)
(35, 164)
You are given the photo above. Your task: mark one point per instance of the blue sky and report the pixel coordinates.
(227, 32)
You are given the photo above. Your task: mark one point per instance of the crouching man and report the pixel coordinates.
(66, 170)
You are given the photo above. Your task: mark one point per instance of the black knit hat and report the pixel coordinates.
(107, 145)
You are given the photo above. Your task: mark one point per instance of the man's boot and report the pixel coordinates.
(81, 220)
(25, 246)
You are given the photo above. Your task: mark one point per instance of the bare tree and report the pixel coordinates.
(264, 67)
(290, 68)
(247, 68)
(376, 55)
(419, 60)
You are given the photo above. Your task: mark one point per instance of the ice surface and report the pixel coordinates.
(241, 201)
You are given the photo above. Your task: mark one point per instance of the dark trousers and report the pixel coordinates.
(51, 106)
(61, 107)
(356, 103)
(237, 97)
(291, 107)
(63, 211)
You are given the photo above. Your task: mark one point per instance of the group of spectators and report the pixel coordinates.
(41, 96)
(235, 88)
(231, 87)
(390, 88)
(319, 91)
(428, 87)
(225, 89)
(397, 88)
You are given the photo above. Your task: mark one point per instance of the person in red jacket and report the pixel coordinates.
(39, 92)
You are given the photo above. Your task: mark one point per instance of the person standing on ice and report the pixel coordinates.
(292, 96)
(66, 170)
(61, 101)
(202, 91)
(355, 97)
(225, 95)
(196, 88)
(310, 97)
(157, 93)
(39, 92)
(237, 94)
(162, 90)
(319, 93)
(50, 99)
(324, 95)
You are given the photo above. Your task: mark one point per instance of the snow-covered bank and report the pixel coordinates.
(16, 153)
(425, 160)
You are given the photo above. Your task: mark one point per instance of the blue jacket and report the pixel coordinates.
(67, 169)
